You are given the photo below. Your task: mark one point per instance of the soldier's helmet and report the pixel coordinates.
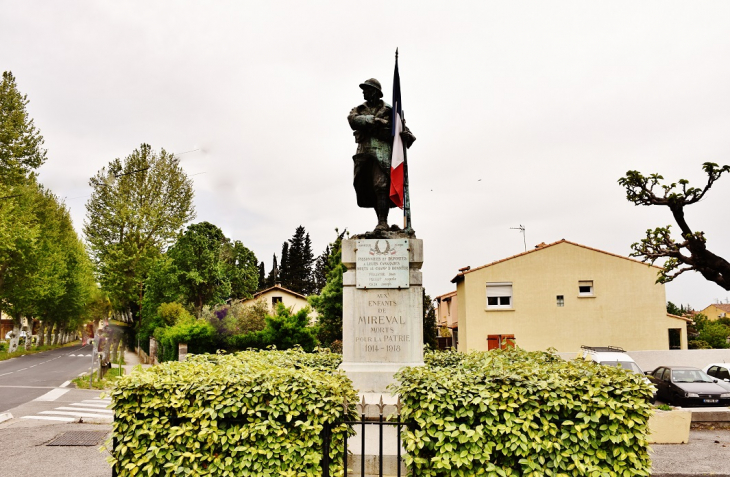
(372, 83)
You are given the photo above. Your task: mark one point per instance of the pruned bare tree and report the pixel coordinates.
(689, 253)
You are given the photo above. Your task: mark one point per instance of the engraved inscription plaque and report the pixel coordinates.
(384, 326)
(382, 263)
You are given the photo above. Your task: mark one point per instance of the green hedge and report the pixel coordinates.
(512, 412)
(199, 335)
(246, 414)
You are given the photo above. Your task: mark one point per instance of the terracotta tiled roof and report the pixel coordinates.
(722, 306)
(677, 317)
(540, 247)
(279, 287)
(446, 295)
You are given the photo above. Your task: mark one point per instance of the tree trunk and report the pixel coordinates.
(28, 334)
(107, 349)
(115, 349)
(49, 333)
(14, 338)
(41, 333)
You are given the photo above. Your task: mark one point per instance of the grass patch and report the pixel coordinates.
(110, 376)
(21, 351)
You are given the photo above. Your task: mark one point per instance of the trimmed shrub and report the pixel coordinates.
(283, 330)
(513, 412)
(199, 335)
(247, 414)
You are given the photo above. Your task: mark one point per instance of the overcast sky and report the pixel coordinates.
(525, 113)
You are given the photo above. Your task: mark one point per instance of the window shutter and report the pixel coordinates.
(499, 290)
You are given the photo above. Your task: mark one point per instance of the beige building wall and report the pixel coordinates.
(447, 310)
(627, 309)
(291, 300)
(715, 312)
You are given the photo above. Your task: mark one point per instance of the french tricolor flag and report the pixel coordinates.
(398, 158)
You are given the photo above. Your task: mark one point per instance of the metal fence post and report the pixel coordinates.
(325, 463)
(114, 446)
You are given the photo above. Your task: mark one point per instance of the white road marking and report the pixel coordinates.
(82, 409)
(102, 405)
(77, 414)
(65, 384)
(11, 372)
(50, 418)
(52, 395)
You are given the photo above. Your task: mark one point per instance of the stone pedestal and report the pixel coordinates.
(382, 328)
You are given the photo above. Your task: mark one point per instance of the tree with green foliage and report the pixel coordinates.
(715, 334)
(210, 269)
(21, 151)
(241, 269)
(673, 309)
(283, 330)
(320, 270)
(328, 303)
(262, 276)
(295, 268)
(45, 272)
(430, 331)
(137, 207)
(197, 265)
(690, 253)
(283, 272)
(48, 276)
(273, 276)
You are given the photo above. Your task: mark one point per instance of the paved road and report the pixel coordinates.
(28, 377)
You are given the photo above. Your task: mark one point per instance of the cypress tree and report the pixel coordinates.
(272, 278)
(285, 266)
(262, 276)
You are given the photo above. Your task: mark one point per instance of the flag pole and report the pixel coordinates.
(406, 189)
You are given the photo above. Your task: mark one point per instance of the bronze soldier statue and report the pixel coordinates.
(371, 122)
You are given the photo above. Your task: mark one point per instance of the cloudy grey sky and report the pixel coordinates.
(525, 113)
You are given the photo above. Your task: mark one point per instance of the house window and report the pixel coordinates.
(561, 300)
(675, 338)
(499, 296)
(500, 341)
(275, 300)
(585, 288)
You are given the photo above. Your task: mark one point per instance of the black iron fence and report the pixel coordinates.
(366, 421)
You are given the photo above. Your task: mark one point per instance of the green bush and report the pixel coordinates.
(698, 344)
(246, 414)
(3, 346)
(283, 330)
(512, 412)
(199, 335)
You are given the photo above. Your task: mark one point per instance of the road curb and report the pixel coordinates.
(5, 416)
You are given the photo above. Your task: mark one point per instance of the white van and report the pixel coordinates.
(610, 356)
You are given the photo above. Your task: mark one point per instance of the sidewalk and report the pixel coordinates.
(131, 360)
(708, 453)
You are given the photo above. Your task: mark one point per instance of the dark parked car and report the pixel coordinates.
(688, 387)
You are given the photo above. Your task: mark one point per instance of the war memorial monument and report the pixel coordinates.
(382, 328)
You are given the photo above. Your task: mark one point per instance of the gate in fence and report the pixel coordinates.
(376, 424)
